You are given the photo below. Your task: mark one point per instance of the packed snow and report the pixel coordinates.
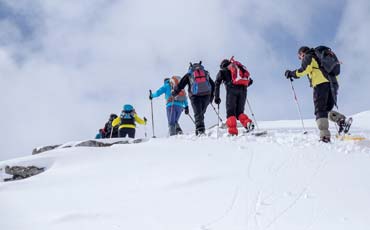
(284, 180)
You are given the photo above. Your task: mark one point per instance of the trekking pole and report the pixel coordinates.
(218, 120)
(145, 129)
(218, 114)
(151, 107)
(250, 109)
(111, 132)
(191, 118)
(298, 108)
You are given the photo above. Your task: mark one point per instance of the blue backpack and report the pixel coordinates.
(199, 80)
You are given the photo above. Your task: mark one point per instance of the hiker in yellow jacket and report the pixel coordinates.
(127, 122)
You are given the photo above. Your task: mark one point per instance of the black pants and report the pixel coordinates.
(114, 133)
(324, 98)
(199, 104)
(127, 131)
(235, 101)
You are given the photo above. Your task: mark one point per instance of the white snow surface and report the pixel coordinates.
(285, 180)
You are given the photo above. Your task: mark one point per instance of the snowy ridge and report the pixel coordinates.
(284, 180)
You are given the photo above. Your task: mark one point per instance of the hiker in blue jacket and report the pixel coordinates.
(174, 105)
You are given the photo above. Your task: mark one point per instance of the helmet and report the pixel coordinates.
(128, 108)
(224, 63)
(303, 49)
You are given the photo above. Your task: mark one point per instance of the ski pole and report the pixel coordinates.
(151, 108)
(191, 118)
(218, 114)
(218, 120)
(111, 131)
(298, 108)
(145, 128)
(250, 109)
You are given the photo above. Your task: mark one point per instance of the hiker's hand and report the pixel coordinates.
(150, 96)
(173, 93)
(217, 100)
(290, 74)
(145, 120)
(250, 82)
(187, 110)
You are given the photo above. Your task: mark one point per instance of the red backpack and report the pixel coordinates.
(239, 73)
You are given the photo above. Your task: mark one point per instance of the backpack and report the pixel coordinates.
(127, 116)
(181, 96)
(199, 80)
(239, 73)
(328, 61)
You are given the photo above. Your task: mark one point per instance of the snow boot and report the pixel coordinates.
(246, 122)
(231, 124)
(323, 125)
(325, 139)
(341, 121)
(178, 129)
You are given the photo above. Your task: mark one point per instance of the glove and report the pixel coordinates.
(250, 82)
(290, 74)
(150, 96)
(173, 93)
(145, 120)
(217, 100)
(187, 110)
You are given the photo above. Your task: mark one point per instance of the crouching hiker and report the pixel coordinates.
(127, 122)
(174, 105)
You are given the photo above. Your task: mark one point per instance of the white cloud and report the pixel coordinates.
(354, 51)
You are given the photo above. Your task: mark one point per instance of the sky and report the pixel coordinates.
(66, 65)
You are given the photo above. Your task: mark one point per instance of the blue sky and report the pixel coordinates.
(65, 66)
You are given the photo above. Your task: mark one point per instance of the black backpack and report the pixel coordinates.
(328, 61)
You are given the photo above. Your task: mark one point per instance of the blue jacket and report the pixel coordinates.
(166, 90)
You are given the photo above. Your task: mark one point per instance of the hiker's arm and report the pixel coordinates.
(306, 67)
(218, 82)
(212, 88)
(139, 120)
(183, 82)
(159, 92)
(116, 122)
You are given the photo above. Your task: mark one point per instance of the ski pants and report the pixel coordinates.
(235, 101)
(127, 131)
(324, 99)
(200, 104)
(173, 116)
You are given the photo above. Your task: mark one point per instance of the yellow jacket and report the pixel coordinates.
(130, 123)
(311, 68)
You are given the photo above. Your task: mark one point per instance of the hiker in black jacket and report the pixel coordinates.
(200, 91)
(236, 94)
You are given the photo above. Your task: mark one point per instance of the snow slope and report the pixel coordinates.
(285, 180)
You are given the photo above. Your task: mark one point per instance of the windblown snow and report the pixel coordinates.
(284, 180)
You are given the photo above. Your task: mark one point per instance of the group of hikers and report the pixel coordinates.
(320, 64)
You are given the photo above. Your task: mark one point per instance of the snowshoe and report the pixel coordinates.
(249, 127)
(344, 125)
(259, 133)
